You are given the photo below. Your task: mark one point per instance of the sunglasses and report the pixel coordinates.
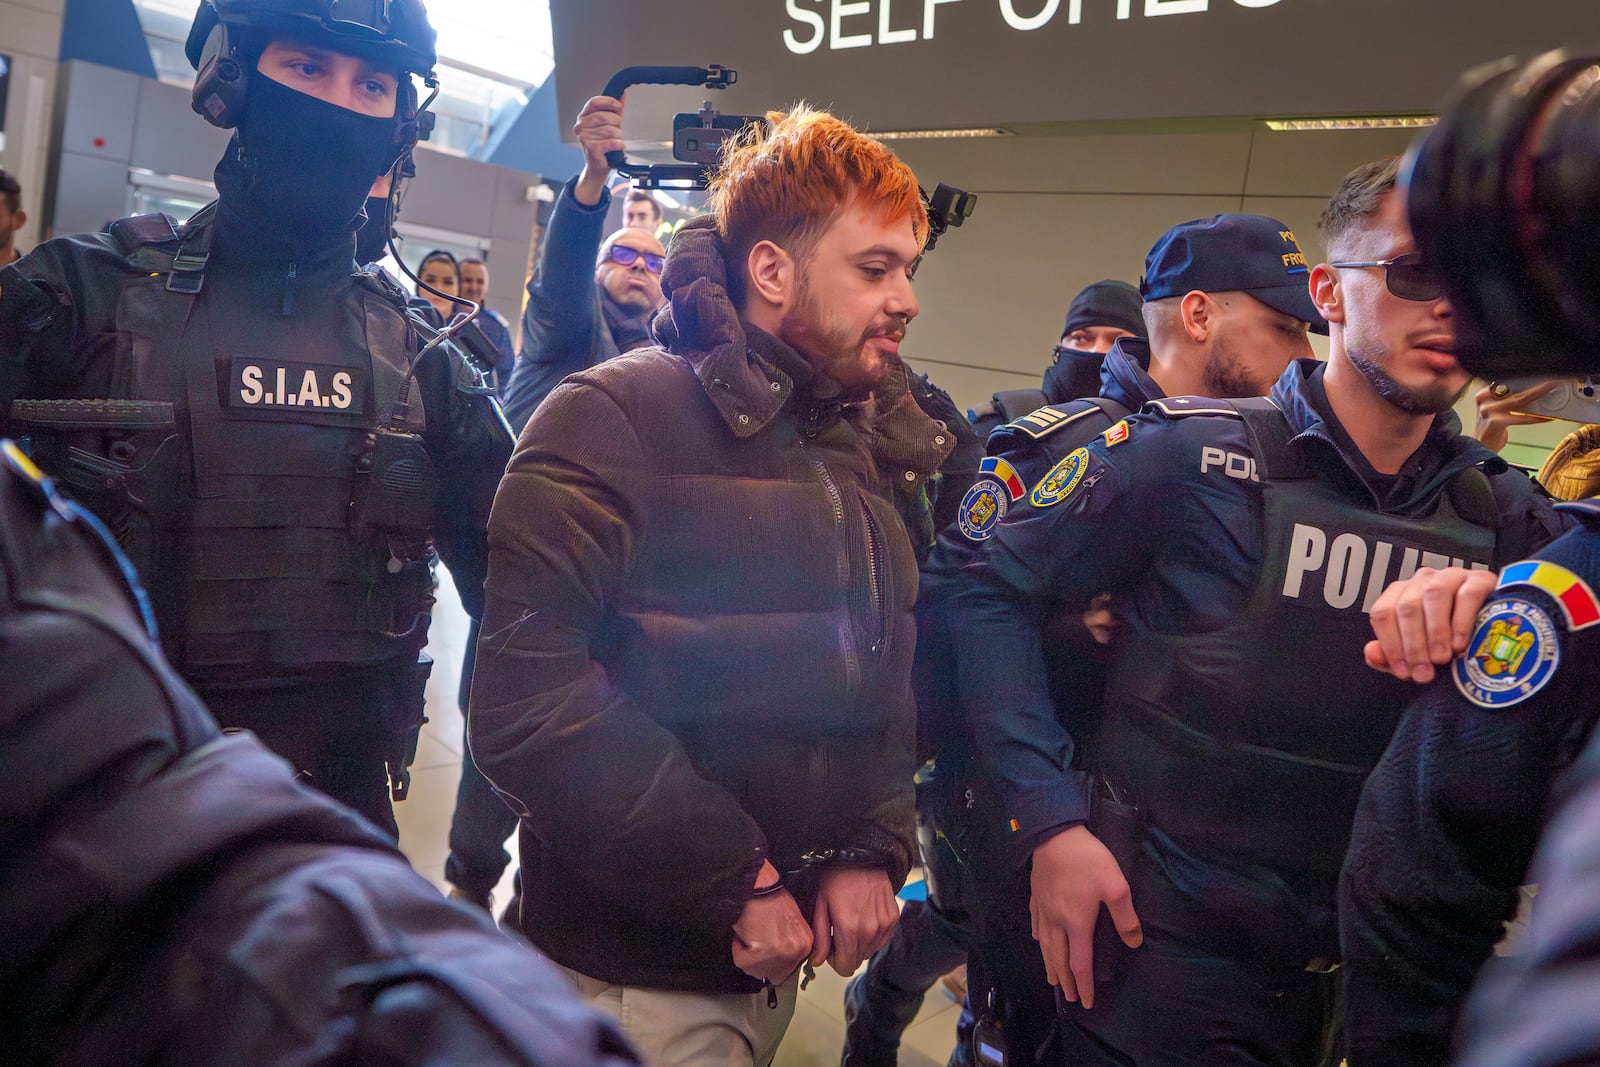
(1409, 277)
(629, 256)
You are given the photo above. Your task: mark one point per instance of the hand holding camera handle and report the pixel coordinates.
(712, 77)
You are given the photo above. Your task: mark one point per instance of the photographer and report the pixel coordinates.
(1503, 197)
(589, 301)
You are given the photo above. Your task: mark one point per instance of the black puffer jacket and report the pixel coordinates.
(698, 639)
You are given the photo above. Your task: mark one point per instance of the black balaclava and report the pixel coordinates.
(1108, 303)
(372, 239)
(299, 170)
(1073, 373)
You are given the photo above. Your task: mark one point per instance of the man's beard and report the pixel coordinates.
(1225, 375)
(835, 350)
(1428, 400)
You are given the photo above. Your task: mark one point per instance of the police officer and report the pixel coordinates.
(1098, 316)
(278, 444)
(1243, 543)
(1504, 734)
(1218, 288)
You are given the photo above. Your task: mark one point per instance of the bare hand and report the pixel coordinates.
(599, 130)
(1426, 619)
(1500, 409)
(1073, 874)
(855, 913)
(771, 937)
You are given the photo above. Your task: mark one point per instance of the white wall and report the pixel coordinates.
(1057, 213)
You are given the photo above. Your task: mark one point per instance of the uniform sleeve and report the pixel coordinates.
(48, 300)
(609, 789)
(469, 443)
(560, 317)
(1090, 525)
(1448, 819)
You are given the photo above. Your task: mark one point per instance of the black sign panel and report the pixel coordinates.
(937, 64)
(283, 385)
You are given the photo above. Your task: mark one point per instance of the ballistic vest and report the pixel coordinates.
(1247, 746)
(251, 492)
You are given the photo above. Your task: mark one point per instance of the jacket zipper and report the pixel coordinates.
(880, 619)
(852, 659)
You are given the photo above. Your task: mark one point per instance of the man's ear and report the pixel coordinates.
(1199, 315)
(1326, 293)
(770, 275)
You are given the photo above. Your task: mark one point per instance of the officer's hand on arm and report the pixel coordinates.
(1499, 410)
(854, 914)
(1425, 620)
(599, 130)
(1073, 874)
(771, 937)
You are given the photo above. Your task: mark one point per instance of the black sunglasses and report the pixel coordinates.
(629, 256)
(1409, 277)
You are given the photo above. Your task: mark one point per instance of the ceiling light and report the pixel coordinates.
(912, 135)
(1389, 122)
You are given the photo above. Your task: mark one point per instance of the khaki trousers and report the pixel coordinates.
(673, 1029)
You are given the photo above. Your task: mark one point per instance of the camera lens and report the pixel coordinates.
(1504, 196)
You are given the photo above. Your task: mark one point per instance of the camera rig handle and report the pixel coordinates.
(712, 77)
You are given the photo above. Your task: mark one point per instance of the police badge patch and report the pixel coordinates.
(1061, 481)
(986, 502)
(1513, 654)
(982, 509)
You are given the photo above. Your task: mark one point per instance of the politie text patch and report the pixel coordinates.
(1513, 654)
(281, 385)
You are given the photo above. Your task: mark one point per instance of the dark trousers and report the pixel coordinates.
(481, 821)
(337, 732)
(881, 1001)
(1170, 1005)
(1005, 972)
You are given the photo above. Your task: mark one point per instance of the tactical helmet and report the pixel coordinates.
(393, 33)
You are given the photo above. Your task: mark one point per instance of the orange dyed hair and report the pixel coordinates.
(788, 183)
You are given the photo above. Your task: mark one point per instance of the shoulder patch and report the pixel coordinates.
(1513, 654)
(1061, 480)
(1117, 434)
(991, 496)
(1577, 600)
(1181, 407)
(1048, 420)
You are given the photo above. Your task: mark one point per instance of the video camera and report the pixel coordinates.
(1504, 196)
(698, 138)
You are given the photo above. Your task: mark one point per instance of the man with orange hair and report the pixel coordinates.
(693, 681)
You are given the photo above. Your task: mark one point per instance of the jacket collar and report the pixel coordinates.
(1444, 452)
(750, 375)
(1125, 374)
(747, 373)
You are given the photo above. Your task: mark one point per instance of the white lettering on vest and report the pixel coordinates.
(251, 392)
(1233, 465)
(341, 390)
(1352, 567)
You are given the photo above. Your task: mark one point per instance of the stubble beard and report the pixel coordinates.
(1427, 400)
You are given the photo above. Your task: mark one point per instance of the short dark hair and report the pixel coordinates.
(639, 195)
(1357, 199)
(11, 189)
(440, 254)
